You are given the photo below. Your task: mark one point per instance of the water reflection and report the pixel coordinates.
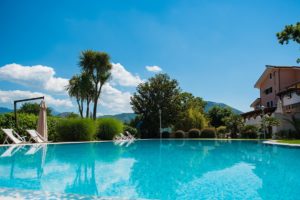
(154, 169)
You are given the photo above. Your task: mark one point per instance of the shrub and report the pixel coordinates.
(131, 130)
(108, 128)
(249, 131)
(221, 131)
(76, 129)
(179, 134)
(194, 133)
(208, 133)
(165, 134)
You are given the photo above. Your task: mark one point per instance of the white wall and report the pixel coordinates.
(294, 99)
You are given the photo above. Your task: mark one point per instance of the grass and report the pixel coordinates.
(289, 141)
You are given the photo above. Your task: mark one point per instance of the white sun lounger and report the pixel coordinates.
(131, 137)
(13, 136)
(11, 151)
(34, 135)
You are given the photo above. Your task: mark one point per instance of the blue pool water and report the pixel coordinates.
(153, 169)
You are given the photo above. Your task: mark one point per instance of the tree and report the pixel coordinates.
(97, 65)
(74, 90)
(295, 122)
(217, 115)
(268, 122)
(191, 112)
(290, 33)
(86, 87)
(33, 108)
(159, 92)
(234, 123)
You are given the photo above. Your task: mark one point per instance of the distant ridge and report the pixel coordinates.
(5, 110)
(210, 104)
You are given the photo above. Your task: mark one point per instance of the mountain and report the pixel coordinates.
(5, 110)
(124, 117)
(210, 104)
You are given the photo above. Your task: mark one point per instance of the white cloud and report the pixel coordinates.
(7, 97)
(153, 68)
(114, 100)
(123, 77)
(33, 76)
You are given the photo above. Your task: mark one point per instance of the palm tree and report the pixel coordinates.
(74, 90)
(97, 65)
(86, 87)
(268, 122)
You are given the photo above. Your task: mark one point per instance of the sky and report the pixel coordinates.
(216, 49)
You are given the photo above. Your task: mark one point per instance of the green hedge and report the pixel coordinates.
(76, 129)
(208, 133)
(249, 131)
(194, 133)
(179, 134)
(108, 128)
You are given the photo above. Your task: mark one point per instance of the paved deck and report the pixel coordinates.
(274, 142)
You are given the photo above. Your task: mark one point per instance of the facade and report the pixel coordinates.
(279, 88)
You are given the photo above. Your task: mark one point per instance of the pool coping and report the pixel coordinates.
(274, 142)
(164, 139)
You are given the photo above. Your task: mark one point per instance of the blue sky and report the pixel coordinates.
(216, 49)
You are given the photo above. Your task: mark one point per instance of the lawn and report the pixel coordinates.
(289, 141)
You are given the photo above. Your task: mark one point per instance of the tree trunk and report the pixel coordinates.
(88, 101)
(97, 95)
(79, 107)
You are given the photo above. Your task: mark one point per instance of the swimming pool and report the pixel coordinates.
(153, 169)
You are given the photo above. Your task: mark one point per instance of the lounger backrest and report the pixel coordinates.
(34, 134)
(10, 134)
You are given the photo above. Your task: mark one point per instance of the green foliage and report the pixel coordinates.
(179, 134)
(97, 67)
(159, 92)
(208, 133)
(165, 134)
(234, 123)
(295, 122)
(221, 131)
(290, 33)
(76, 129)
(72, 115)
(249, 131)
(218, 114)
(194, 133)
(32, 108)
(131, 130)
(108, 128)
(28, 121)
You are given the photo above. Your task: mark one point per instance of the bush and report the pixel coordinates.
(165, 134)
(194, 133)
(221, 131)
(76, 129)
(131, 130)
(179, 134)
(249, 131)
(108, 128)
(208, 133)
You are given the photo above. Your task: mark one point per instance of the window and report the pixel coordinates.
(269, 90)
(268, 104)
(270, 75)
(271, 103)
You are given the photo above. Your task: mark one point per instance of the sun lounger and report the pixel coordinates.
(131, 137)
(13, 136)
(11, 151)
(34, 135)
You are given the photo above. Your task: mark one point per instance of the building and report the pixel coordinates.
(279, 88)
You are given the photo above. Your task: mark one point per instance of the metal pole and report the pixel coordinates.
(15, 112)
(160, 122)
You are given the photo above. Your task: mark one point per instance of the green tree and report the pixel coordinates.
(295, 122)
(191, 112)
(234, 123)
(33, 108)
(290, 33)
(217, 115)
(159, 92)
(97, 65)
(268, 122)
(74, 90)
